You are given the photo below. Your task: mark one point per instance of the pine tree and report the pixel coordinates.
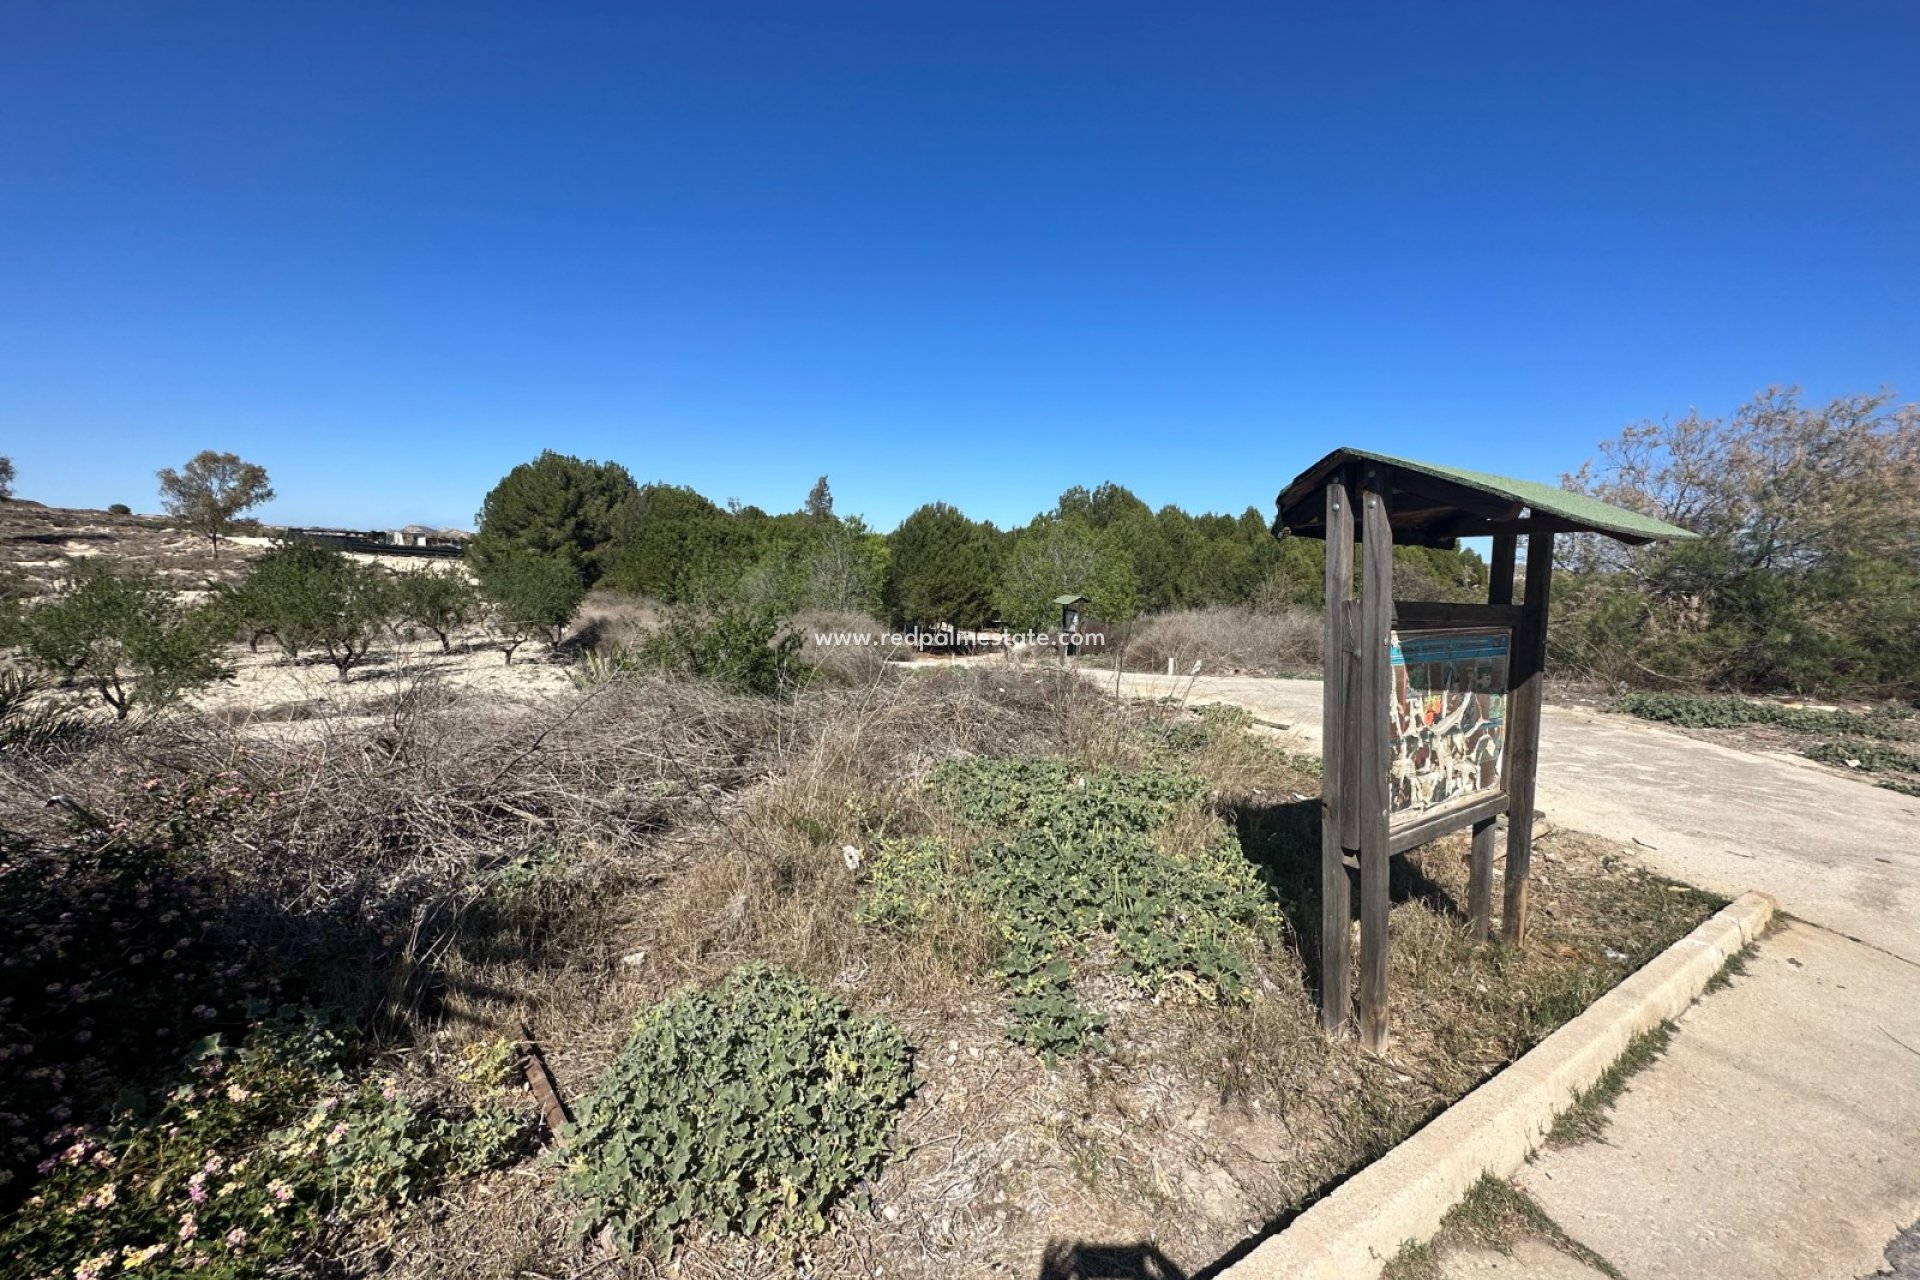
(559, 508)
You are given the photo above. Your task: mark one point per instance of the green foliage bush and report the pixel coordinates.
(121, 634)
(1806, 574)
(1069, 855)
(942, 568)
(244, 1162)
(557, 508)
(310, 597)
(1051, 558)
(161, 1113)
(904, 881)
(752, 1107)
(678, 545)
(109, 969)
(1868, 757)
(1720, 712)
(747, 648)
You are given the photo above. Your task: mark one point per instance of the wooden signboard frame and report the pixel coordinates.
(1356, 822)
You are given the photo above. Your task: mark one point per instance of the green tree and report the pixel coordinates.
(310, 597)
(123, 635)
(677, 545)
(437, 600)
(211, 490)
(267, 602)
(819, 501)
(745, 647)
(6, 479)
(846, 568)
(942, 568)
(1053, 557)
(559, 507)
(530, 597)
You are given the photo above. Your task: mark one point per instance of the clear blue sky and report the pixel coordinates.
(966, 251)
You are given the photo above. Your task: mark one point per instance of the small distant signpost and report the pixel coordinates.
(1431, 709)
(1070, 607)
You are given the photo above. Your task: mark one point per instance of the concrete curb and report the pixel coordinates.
(1403, 1195)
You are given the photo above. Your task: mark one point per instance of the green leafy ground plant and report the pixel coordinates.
(1695, 712)
(1070, 855)
(753, 1107)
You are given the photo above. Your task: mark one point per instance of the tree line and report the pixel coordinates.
(1806, 576)
(938, 567)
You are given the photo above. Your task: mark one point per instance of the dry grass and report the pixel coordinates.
(455, 864)
(612, 620)
(851, 663)
(1494, 1215)
(1225, 639)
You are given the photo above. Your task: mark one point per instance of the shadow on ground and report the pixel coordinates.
(1283, 841)
(1067, 1260)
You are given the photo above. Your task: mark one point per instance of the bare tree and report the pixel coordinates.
(1806, 575)
(1781, 486)
(6, 479)
(211, 490)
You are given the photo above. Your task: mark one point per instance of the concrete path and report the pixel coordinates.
(1828, 848)
(1778, 1138)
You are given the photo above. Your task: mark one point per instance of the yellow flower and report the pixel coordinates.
(131, 1257)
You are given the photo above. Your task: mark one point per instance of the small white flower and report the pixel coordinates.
(851, 855)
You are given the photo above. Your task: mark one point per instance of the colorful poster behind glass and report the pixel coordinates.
(1449, 716)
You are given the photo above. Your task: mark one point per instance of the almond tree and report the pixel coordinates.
(530, 597)
(124, 636)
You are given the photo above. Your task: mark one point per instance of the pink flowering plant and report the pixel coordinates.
(113, 967)
(248, 1160)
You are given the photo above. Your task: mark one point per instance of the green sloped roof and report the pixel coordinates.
(1066, 600)
(1577, 509)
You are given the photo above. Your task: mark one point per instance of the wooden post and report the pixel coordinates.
(1480, 878)
(1500, 576)
(1336, 907)
(1527, 665)
(1486, 833)
(1372, 725)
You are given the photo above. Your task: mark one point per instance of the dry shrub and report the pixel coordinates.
(852, 662)
(1225, 639)
(775, 883)
(611, 620)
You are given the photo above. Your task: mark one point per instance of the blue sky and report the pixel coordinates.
(965, 251)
